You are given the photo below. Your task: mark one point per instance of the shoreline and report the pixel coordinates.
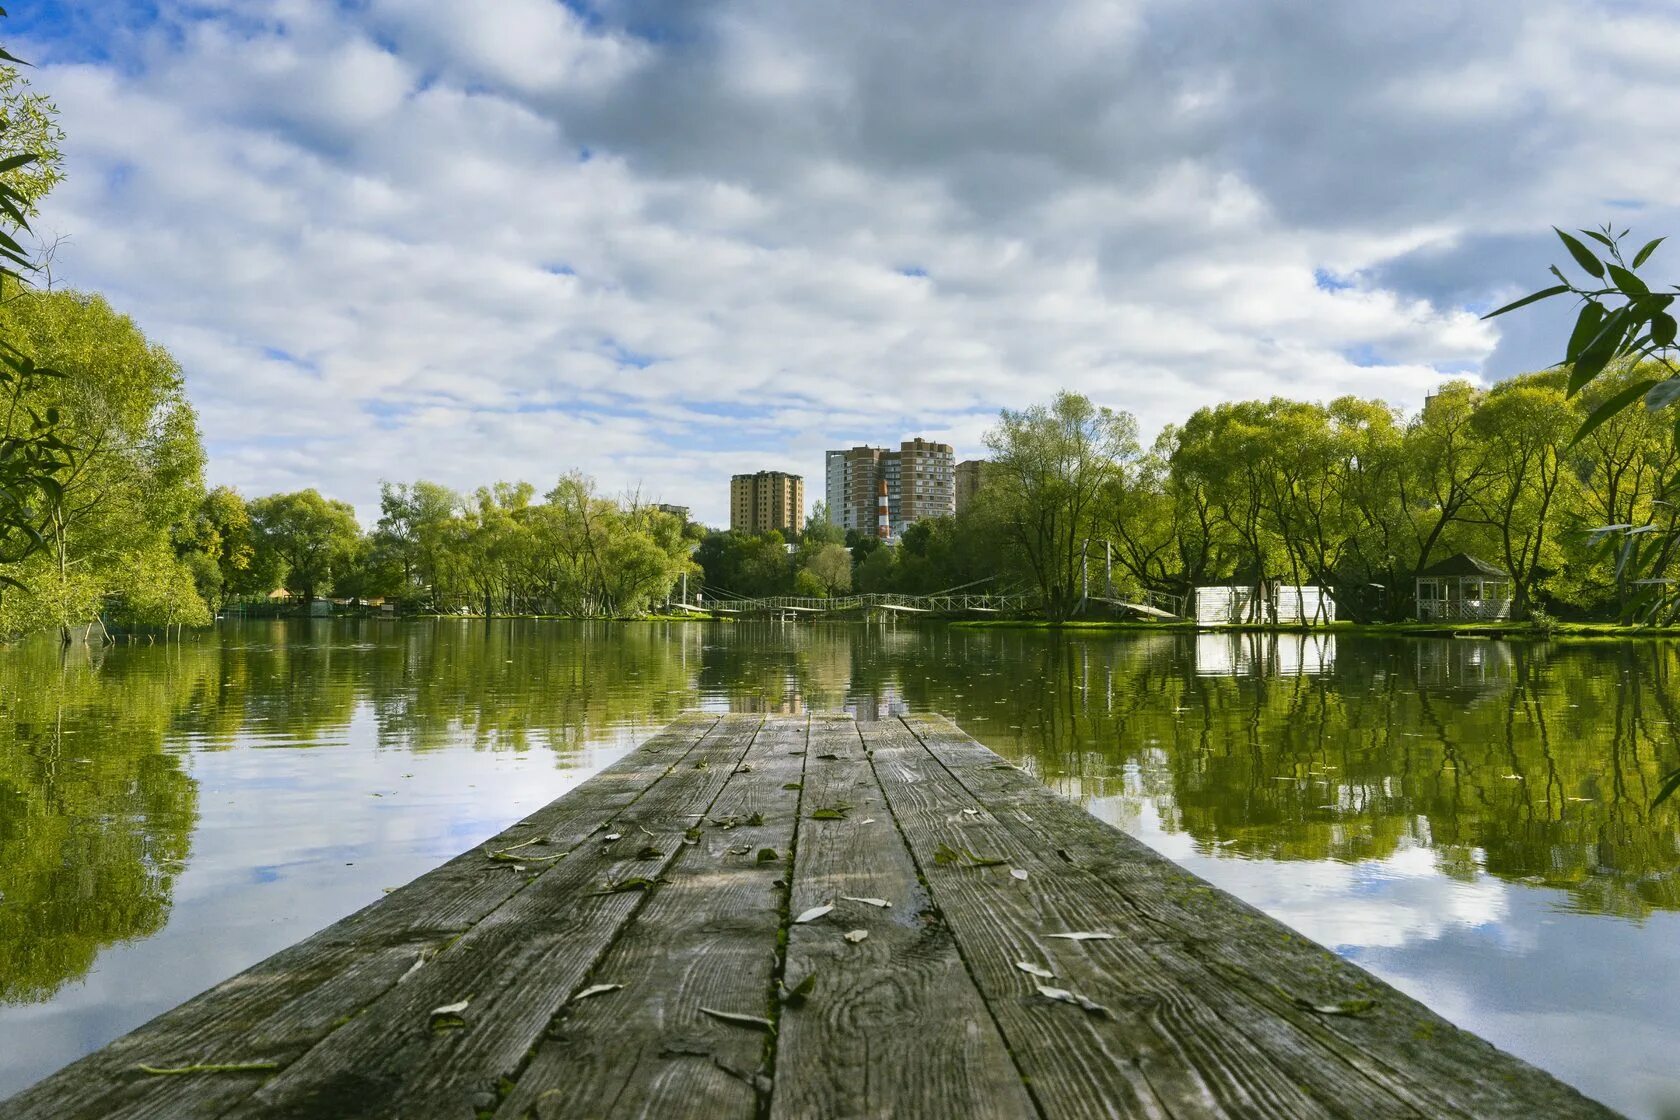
(1468, 629)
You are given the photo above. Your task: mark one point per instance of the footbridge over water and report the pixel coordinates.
(794, 606)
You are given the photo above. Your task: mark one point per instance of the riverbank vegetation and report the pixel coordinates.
(1353, 494)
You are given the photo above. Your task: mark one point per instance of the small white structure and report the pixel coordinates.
(1224, 605)
(1220, 606)
(1310, 604)
(1463, 587)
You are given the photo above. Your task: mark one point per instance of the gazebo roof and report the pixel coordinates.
(1463, 564)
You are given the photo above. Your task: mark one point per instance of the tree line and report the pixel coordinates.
(136, 541)
(1353, 494)
(500, 550)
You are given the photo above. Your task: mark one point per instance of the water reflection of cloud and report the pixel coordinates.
(1377, 903)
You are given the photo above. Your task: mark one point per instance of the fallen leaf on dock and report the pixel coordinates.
(1346, 1007)
(612, 836)
(756, 1022)
(831, 813)
(1064, 996)
(796, 995)
(945, 855)
(855, 935)
(648, 851)
(813, 914)
(210, 1067)
(596, 990)
(867, 820)
(448, 1016)
(881, 902)
(502, 856)
(415, 967)
(768, 855)
(634, 883)
(1018, 873)
(1083, 936)
(1034, 970)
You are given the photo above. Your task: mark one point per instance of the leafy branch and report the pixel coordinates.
(33, 453)
(1621, 319)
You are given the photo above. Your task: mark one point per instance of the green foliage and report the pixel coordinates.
(219, 545)
(1050, 467)
(829, 567)
(34, 452)
(133, 485)
(1624, 334)
(1620, 320)
(28, 128)
(414, 526)
(88, 851)
(746, 564)
(304, 537)
(819, 530)
(503, 550)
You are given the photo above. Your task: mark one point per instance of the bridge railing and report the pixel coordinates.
(933, 604)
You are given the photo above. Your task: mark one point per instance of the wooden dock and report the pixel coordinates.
(803, 918)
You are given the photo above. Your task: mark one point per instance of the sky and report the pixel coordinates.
(665, 242)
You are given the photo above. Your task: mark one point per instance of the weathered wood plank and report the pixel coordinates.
(1253, 968)
(515, 968)
(278, 1008)
(706, 938)
(893, 1025)
(1153, 1052)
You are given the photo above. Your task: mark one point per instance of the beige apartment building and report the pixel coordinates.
(968, 476)
(920, 482)
(767, 500)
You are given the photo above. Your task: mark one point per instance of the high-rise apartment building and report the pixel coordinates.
(767, 500)
(920, 482)
(969, 476)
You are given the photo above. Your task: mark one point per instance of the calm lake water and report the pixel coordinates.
(1468, 819)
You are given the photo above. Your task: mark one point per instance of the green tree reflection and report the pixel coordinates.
(1530, 762)
(95, 818)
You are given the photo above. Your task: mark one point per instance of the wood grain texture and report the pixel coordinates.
(893, 1025)
(515, 968)
(705, 938)
(1151, 1053)
(278, 1008)
(1252, 969)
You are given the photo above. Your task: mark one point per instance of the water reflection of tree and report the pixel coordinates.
(1530, 762)
(95, 818)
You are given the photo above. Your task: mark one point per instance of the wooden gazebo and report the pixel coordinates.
(1463, 587)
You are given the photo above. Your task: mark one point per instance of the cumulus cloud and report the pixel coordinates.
(661, 242)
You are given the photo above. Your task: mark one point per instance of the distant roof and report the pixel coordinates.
(1464, 564)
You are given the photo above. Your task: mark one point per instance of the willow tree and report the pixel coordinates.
(304, 536)
(1230, 455)
(414, 527)
(1050, 466)
(1525, 424)
(135, 476)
